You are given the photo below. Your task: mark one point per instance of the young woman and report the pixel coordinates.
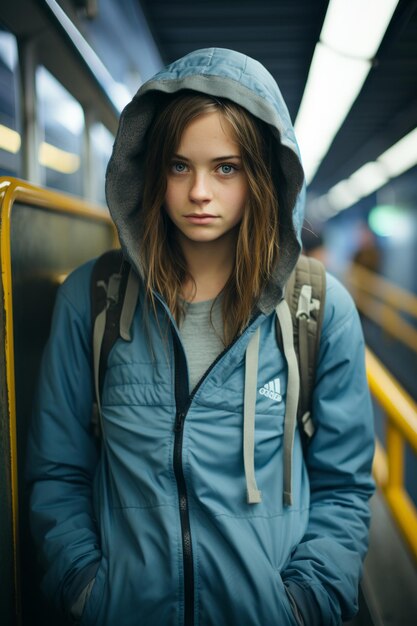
(194, 511)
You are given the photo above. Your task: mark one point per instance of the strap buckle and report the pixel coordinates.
(306, 303)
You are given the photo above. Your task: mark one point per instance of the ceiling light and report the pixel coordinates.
(401, 156)
(97, 67)
(351, 35)
(333, 84)
(342, 195)
(368, 178)
(355, 28)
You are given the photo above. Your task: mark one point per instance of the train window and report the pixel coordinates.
(61, 131)
(101, 141)
(10, 132)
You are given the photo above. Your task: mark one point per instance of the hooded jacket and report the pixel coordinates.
(158, 517)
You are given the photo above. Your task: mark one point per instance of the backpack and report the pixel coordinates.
(112, 313)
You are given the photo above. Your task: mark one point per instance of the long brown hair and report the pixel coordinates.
(257, 241)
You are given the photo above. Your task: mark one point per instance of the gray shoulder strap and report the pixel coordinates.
(129, 305)
(293, 393)
(112, 322)
(112, 292)
(305, 293)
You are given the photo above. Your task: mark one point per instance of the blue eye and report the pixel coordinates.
(227, 169)
(178, 167)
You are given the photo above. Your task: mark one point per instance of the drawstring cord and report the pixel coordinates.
(254, 496)
(251, 383)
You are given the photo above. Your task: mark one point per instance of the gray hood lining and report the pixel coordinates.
(125, 172)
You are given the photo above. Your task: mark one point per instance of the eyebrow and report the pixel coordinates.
(217, 159)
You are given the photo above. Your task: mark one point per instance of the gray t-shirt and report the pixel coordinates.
(202, 338)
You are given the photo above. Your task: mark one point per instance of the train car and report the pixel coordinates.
(67, 69)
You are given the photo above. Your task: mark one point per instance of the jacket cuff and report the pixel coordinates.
(306, 606)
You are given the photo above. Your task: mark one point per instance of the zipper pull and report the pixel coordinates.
(179, 421)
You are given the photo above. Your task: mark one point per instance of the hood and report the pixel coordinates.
(222, 73)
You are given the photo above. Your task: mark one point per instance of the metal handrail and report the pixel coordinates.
(371, 282)
(401, 428)
(14, 190)
(382, 302)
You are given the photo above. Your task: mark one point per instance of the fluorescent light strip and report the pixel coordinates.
(341, 195)
(333, 85)
(95, 64)
(351, 35)
(355, 27)
(401, 157)
(368, 178)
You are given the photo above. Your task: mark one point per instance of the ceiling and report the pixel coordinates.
(282, 35)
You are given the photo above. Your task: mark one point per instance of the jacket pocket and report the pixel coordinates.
(93, 601)
(290, 605)
(77, 608)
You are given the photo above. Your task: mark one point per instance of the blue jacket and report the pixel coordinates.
(158, 516)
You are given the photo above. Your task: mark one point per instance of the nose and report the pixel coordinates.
(200, 191)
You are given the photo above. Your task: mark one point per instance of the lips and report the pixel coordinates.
(200, 218)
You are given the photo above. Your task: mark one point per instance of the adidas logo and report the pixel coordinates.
(272, 390)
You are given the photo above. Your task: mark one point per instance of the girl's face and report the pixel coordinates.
(207, 189)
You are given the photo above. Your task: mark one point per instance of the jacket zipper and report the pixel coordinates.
(183, 401)
(182, 405)
(187, 548)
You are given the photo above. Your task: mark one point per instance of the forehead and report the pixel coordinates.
(209, 129)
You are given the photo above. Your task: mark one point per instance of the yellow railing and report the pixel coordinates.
(12, 191)
(401, 429)
(383, 302)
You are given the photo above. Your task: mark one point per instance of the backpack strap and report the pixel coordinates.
(305, 294)
(110, 318)
(292, 397)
